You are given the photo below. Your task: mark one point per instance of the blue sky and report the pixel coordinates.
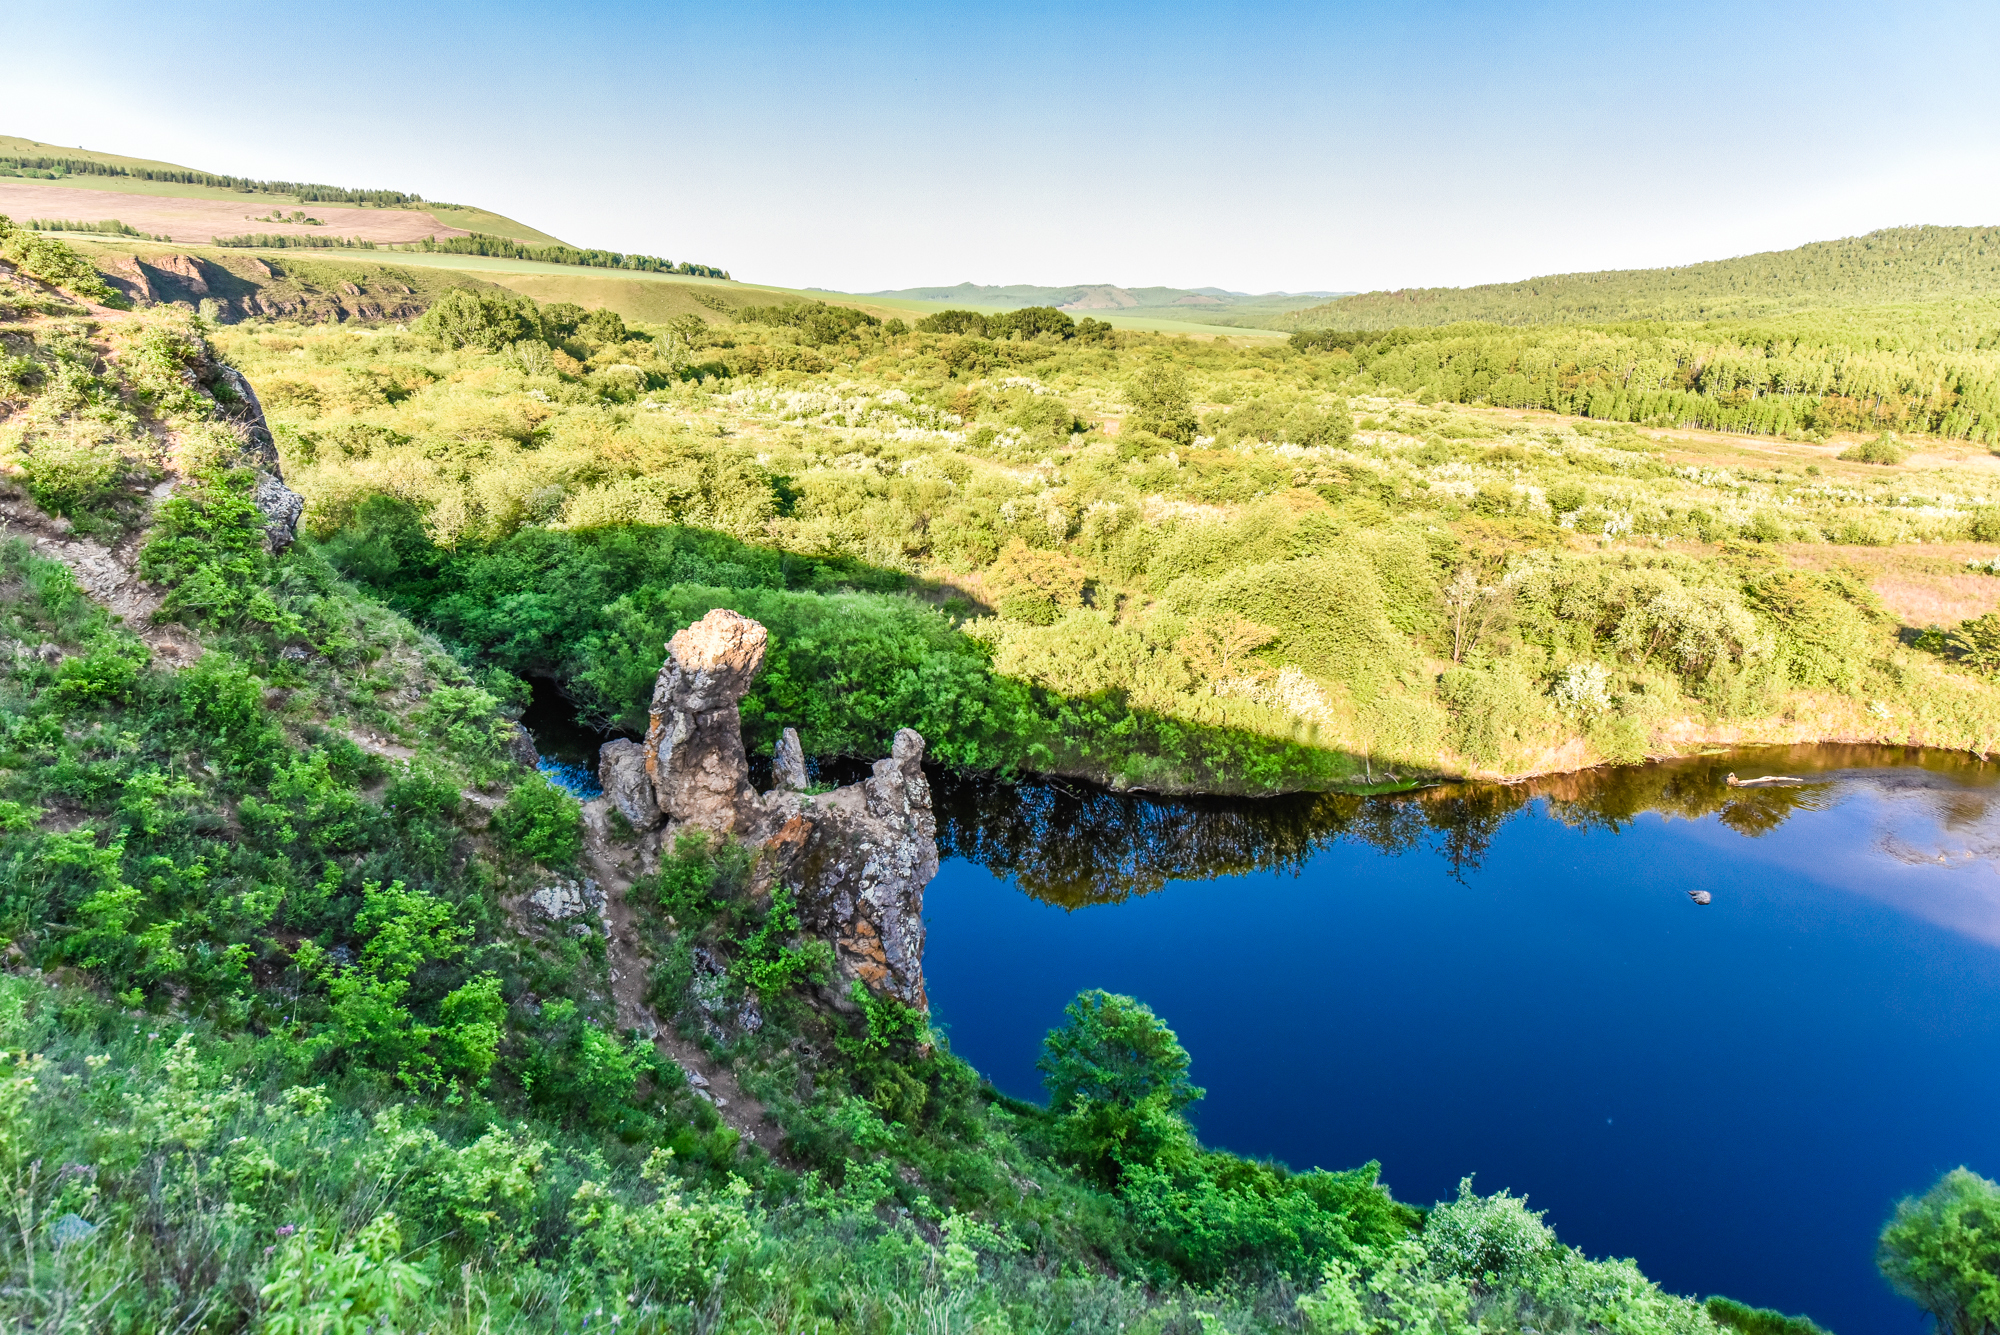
(869, 145)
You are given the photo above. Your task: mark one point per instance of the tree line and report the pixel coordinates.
(480, 243)
(305, 192)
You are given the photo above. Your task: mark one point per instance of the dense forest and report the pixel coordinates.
(283, 1047)
(1932, 369)
(1899, 264)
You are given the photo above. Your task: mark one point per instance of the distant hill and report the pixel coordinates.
(1202, 305)
(1893, 265)
(28, 160)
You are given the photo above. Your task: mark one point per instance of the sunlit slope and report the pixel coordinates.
(1894, 265)
(15, 147)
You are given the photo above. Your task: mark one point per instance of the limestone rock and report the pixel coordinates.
(621, 770)
(858, 859)
(694, 740)
(788, 764)
(564, 899)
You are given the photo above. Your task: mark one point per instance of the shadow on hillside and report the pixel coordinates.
(592, 610)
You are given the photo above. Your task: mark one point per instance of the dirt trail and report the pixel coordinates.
(614, 869)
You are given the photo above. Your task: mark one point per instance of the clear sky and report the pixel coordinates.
(869, 145)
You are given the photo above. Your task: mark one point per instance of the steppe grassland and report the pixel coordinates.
(1431, 590)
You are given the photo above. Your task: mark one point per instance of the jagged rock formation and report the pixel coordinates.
(857, 858)
(788, 764)
(694, 738)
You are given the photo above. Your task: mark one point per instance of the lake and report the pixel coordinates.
(1514, 982)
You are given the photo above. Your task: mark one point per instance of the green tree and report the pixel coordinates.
(1162, 404)
(1113, 1049)
(1941, 1250)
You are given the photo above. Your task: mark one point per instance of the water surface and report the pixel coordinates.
(1514, 982)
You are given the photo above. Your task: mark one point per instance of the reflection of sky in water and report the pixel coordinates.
(1915, 842)
(1732, 1094)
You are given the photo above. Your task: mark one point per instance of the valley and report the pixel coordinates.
(477, 732)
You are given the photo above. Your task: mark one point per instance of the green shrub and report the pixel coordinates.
(1494, 711)
(1162, 404)
(1883, 449)
(1823, 638)
(462, 318)
(542, 822)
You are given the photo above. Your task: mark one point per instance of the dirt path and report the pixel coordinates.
(109, 575)
(614, 870)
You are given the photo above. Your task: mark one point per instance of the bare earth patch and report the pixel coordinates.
(201, 220)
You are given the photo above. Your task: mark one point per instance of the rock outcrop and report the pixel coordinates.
(279, 504)
(621, 772)
(857, 859)
(694, 739)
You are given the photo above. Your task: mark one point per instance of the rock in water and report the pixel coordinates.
(858, 859)
(788, 764)
(621, 770)
(694, 742)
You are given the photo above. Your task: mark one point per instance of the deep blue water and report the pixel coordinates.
(1732, 1094)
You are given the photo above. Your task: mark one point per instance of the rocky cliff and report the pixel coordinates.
(857, 859)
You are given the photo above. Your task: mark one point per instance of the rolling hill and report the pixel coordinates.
(1898, 264)
(135, 191)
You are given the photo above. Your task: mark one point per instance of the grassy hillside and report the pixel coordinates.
(144, 176)
(1901, 264)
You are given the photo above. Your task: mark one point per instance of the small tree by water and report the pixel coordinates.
(1941, 1250)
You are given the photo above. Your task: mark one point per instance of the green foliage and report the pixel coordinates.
(462, 318)
(481, 244)
(52, 262)
(541, 821)
(1824, 628)
(1732, 1315)
(1161, 403)
(1892, 265)
(207, 547)
(1112, 1049)
(817, 323)
(1941, 1250)
(1883, 449)
(1023, 323)
(773, 958)
(1977, 642)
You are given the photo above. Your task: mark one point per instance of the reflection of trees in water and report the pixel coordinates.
(1074, 845)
